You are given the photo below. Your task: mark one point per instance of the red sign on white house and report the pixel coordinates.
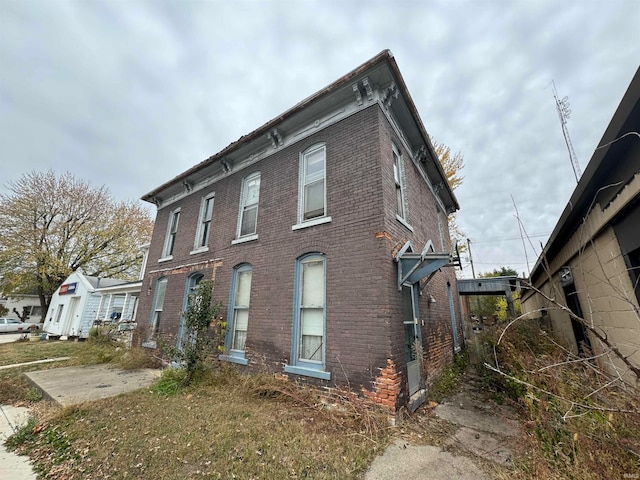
(68, 288)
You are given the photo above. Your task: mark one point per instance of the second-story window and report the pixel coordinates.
(249, 197)
(398, 177)
(204, 222)
(172, 230)
(313, 196)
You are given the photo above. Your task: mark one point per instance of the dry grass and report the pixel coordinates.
(225, 426)
(567, 440)
(20, 352)
(14, 389)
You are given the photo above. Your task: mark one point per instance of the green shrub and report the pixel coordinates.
(171, 380)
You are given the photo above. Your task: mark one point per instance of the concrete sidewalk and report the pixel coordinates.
(71, 385)
(12, 466)
(484, 431)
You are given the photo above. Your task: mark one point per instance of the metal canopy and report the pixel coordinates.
(413, 267)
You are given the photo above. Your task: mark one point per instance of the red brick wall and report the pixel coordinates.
(363, 311)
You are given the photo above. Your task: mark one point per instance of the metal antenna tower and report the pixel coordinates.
(564, 112)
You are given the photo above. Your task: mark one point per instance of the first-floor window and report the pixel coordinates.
(241, 300)
(158, 305)
(59, 313)
(311, 309)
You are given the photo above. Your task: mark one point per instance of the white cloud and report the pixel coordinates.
(131, 94)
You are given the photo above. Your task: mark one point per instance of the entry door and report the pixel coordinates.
(70, 325)
(413, 337)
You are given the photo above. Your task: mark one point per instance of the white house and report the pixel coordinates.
(82, 301)
(29, 304)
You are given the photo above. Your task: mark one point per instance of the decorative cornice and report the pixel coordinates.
(389, 95)
(227, 165)
(276, 138)
(420, 154)
(367, 88)
(356, 90)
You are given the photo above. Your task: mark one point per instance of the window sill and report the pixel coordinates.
(321, 374)
(165, 259)
(199, 250)
(248, 238)
(404, 222)
(234, 359)
(311, 223)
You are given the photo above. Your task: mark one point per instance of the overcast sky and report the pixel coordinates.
(131, 93)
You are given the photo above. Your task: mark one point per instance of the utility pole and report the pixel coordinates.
(473, 272)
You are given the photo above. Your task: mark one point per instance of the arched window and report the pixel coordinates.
(238, 319)
(190, 296)
(309, 323)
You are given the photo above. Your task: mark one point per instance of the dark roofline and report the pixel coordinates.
(384, 56)
(583, 197)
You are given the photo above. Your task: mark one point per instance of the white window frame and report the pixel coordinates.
(158, 307)
(203, 232)
(244, 207)
(398, 179)
(170, 237)
(305, 366)
(303, 184)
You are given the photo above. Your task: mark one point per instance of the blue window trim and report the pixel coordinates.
(191, 279)
(454, 320)
(235, 356)
(297, 366)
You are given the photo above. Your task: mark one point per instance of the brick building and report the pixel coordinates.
(325, 231)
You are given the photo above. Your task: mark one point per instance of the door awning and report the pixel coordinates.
(413, 267)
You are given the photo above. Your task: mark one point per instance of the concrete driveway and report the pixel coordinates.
(71, 385)
(10, 337)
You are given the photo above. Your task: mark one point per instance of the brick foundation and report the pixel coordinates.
(388, 386)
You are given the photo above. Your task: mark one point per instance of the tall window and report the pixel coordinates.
(313, 199)
(204, 222)
(309, 318)
(240, 314)
(190, 296)
(399, 181)
(172, 229)
(158, 305)
(248, 218)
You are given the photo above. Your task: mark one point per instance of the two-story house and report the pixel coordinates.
(325, 231)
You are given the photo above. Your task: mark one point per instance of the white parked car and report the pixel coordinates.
(14, 325)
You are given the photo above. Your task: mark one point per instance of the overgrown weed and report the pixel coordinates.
(577, 418)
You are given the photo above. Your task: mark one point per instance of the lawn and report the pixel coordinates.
(227, 426)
